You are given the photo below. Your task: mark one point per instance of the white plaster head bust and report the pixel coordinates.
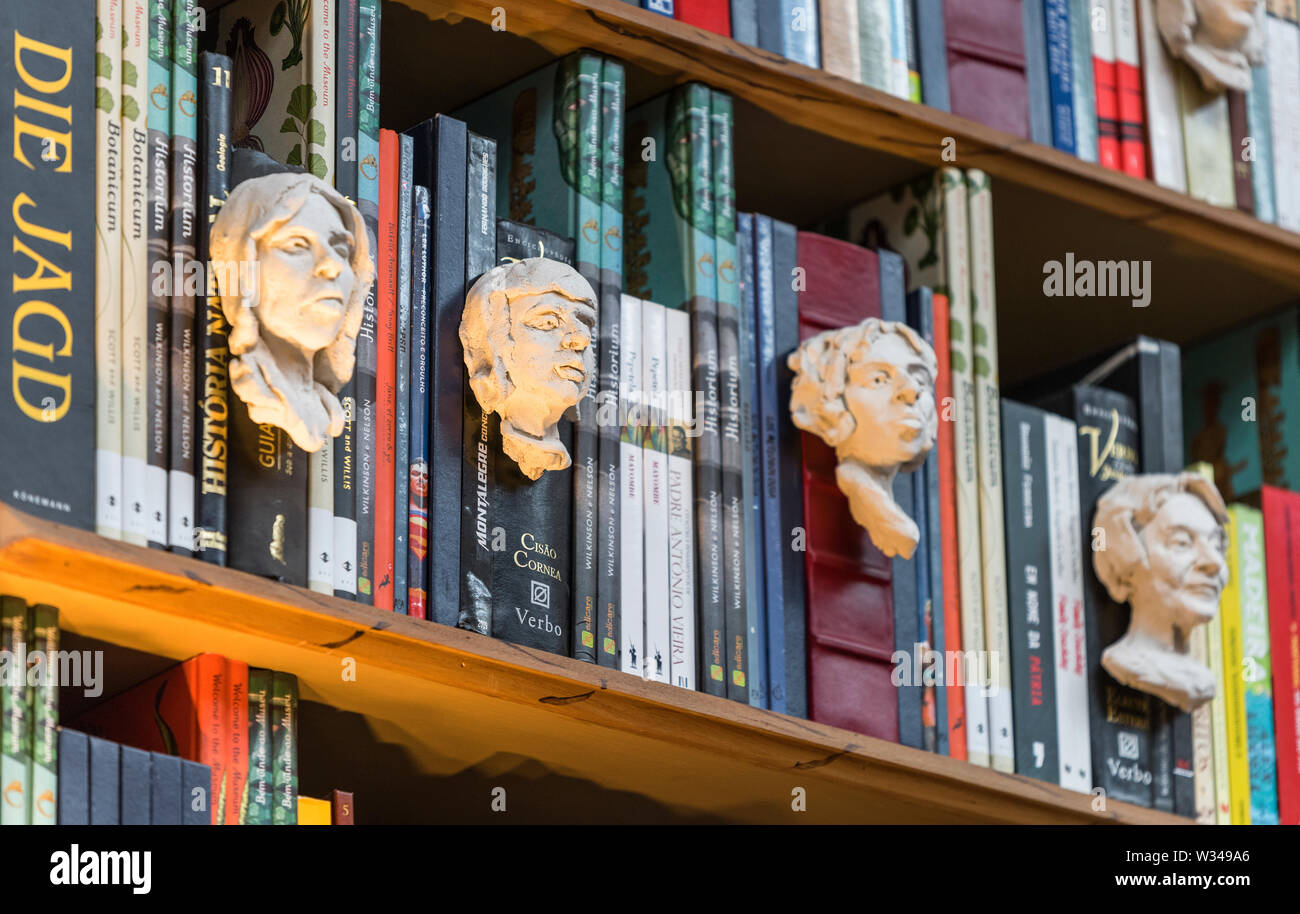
(527, 331)
(293, 327)
(1219, 39)
(1164, 554)
(868, 392)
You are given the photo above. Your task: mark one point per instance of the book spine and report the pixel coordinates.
(214, 396)
(135, 266)
(664, 654)
(368, 13)
(1282, 560)
(1128, 79)
(1060, 72)
(586, 149)
(267, 500)
(1163, 109)
(320, 518)
(933, 52)
(447, 394)
(183, 217)
(681, 518)
(478, 473)
(900, 84)
(385, 381)
(1069, 640)
(663, 7)
(158, 343)
(949, 608)
(841, 52)
(609, 590)
(1041, 110)
(1029, 590)
(744, 21)
(236, 737)
(630, 633)
(1085, 89)
(1256, 670)
(284, 748)
(417, 505)
(707, 14)
(1234, 693)
(260, 792)
(951, 189)
(913, 52)
(1259, 121)
(133, 789)
(1219, 727)
(16, 714)
(45, 727)
(164, 789)
(799, 32)
(194, 780)
(788, 444)
(1242, 154)
(751, 465)
(105, 764)
(1207, 140)
(1203, 735)
(925, 639)
(108, 268)
(206, 678)
(874, 33)
(74, 778)
(478, 504)
(402, 374)
(347, 180)
(1105, 79)
(738, 623)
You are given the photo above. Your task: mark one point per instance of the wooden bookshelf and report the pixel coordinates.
(436, 717)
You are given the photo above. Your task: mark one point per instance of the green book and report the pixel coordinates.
(284, 748)
(260, 783)
(44, 770)
(16, 711)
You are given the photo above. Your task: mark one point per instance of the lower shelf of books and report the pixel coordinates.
(426, 723)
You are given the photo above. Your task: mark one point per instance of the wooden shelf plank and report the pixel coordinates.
(429, 687)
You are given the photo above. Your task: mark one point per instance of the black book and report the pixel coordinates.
(1029, 590)
(105, 775)
(907, 632)
(366, 389)
(164, 789)
(1120, 717)
(214, 391)
(134, 796)
(74, 777)
(47, 465)
(183, 216)
(524, 586)
(196, 781)
(347, 47)
(441, 146)
(481, 246)
(790, 468)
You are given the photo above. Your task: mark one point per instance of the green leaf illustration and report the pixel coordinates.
(125, 38)
(956, 331)
(129, 74)
(958, 362)
(295, 155)
(315, 132)
(289, 126)
(130, 110)
(301, 102)
(929, 260)
(911, 220)
(99, 29)
(104, 100)
(981, 335)
(317, 165)
(103, 66)
(982, 369)
(278, 16)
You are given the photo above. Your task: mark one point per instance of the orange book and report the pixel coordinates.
(956, 722)
(183, 711)
(237, 742)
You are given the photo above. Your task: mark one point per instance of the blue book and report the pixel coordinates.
(933, 47)
(417, 507)
(1040, 107)
(74, 778)
(1259, 121)
(664, 7)
(164, 789)
(744, 21)
(105, 773)
(1060, 72)
(790, 28)
(196, 779)
(1085, 89)
(751, 445)
(402, 375)
(135, 787)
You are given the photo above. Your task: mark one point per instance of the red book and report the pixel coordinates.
(1128, 85)
(951, 608)
(386, 371)
(183, 711)
(987, 80)
(1282, 563)
(237, 739)
(1106, 80)
(850, 600)
(714, 15)
(342, 808)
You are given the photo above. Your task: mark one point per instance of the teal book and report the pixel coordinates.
(1241, 405)
(16, 712)
(670, 259)
(284, 749)
(1256, 668)
(44, 777)
(260, 778)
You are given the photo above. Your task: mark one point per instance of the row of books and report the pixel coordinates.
(101, 782)
(1093, 78)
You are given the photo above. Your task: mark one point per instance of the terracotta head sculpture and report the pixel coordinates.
(1164, 554)
(527, 331)
(294, 323)
(868, 392)
(1220, 39)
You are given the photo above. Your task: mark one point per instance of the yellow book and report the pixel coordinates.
(1234, 690)
(312, 811)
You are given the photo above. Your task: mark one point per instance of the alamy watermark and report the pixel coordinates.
(924, 666)
(36, 669)
(1073, 278)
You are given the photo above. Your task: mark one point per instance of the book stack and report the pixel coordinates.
(106, 783)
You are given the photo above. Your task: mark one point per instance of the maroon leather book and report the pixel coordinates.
(342, 810)
(1243, 179)
(850, 600)
(986, 63)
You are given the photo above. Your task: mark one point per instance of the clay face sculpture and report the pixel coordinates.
(1219, 39)
(293, 332)
(527, 331)
(868, 392)
(1164, 554)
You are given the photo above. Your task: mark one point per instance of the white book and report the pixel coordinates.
(656, 663)
(135, 270)
(681, 501)
(1163, 109)
(320, 520)
(1074, 744)
(630, 478)
(875, 41)
(108, 269)
(1284, 92)
(1219, 725)
(1203, 735)
(988, 444)
(900, 80)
